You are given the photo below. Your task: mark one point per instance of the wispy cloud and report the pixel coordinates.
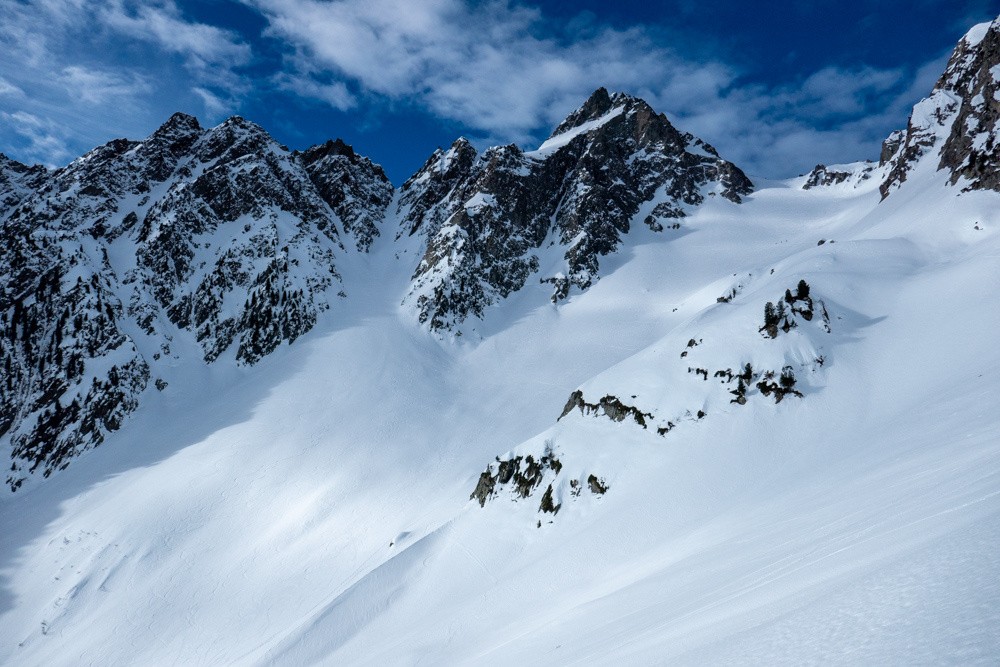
(210, 53)
(834, 115)
(98, 86)
(494, 66)
(42, 140)
(76, 72)
(505, 70)
(7, 88)
(501, 69)
(214, 105)
(161, 22)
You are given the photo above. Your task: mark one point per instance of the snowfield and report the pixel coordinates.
(315, 508)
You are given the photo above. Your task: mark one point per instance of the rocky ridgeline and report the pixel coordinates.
(220, 234)
(17, 181)
(957, 124)
(823, 176)
(227, 238)
(488, 219)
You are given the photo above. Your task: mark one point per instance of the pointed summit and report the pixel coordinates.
(485, 218)
(598, 104)
(959, 123)
(179, 122)
(353, 186)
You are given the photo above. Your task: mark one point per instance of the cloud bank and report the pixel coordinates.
(75, 69)
(503, 71)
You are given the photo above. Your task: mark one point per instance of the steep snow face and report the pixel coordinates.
(109, 265)
(957, 126)
(315, 508)
(554, 212)
(560, 139)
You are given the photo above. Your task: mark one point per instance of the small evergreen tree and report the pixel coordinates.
(770, 315)
(787, 378)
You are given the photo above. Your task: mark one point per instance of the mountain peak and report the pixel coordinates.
(598, 104)
(976, 33)
(960, 121)
(180, 122)
(331, 147)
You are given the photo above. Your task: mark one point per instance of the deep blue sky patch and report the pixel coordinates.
(776, 87)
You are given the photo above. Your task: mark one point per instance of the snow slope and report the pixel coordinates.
(315, 508)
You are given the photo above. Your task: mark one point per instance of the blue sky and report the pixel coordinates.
(776, 87)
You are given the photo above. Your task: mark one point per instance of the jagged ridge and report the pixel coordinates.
(487, 218)
(220, 234)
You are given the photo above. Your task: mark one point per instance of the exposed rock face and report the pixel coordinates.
(489, 220)
(790, 341)
(219, 234)
(356, 189)
(609, 406)
(823, 176)
(957, 124)
(17, 181)
(522, 477)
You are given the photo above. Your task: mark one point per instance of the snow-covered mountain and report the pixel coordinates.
(956, 127)
(220, 237)
(226, 237)
(603, 401)
(494, 221)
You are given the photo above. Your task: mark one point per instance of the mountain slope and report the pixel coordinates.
(596, 480)
(219, 236)
(335, 533)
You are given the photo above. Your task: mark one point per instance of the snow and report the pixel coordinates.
(479, 201)
(245, 515)
(977, 33)
(552, 144)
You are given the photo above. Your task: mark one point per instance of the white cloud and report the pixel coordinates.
(503, 69)
(97, 86)
(94, 69)
(214, 105)
(498, 67)
(45, 139)
(210, 53)
(336, 94)
(494, 66)
(7, 88)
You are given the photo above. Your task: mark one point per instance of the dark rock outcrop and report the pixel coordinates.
(608, 406)
(823, 176)
(523, 475)
(220, 234)
(958, 124)
(486, 220)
